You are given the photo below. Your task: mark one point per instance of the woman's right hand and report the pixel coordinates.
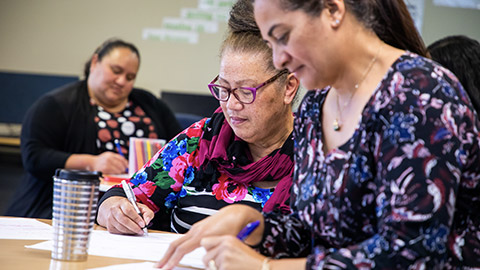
(107, 162)
(228, 221)
(110, 163)
(118, 215)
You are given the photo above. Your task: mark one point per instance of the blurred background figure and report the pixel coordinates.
(78, 126)
(461, 55)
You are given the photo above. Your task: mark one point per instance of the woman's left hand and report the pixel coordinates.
(227, 252)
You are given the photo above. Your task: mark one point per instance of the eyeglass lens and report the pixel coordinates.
(242, 95)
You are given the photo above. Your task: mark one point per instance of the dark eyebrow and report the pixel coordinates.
(116, 66)
(270, 32)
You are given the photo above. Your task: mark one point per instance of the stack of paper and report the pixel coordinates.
(24, 228)
(148, 248)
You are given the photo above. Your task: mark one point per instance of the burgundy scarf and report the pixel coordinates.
(230, 155)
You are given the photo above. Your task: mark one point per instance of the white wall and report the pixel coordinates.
(440, 21)
(57, 37)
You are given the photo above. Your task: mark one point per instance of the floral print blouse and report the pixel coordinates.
(180, 192)
(402, 193)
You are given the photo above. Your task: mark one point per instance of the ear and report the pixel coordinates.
(291, 88)
(94, 62)
(335, 10)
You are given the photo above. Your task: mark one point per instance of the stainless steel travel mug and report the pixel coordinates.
(75, 196)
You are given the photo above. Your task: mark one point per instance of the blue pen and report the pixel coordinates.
(119, 149)
(245, 232)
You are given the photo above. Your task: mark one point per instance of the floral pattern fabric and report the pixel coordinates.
(181, 191)
(402, 193)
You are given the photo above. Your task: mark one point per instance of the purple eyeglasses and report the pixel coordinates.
(245, 95)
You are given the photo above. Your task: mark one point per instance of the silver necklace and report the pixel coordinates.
(337, 124)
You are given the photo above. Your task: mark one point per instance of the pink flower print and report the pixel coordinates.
(193, 160)
(221, 192)
(148, 188)
(177, 172)
(196, 129)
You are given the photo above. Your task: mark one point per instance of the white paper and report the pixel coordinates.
(136, 266)
(127, 266)
(24, 229)
(147, 248)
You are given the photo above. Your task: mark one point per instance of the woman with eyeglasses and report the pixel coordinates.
(242, 154)
(387, 151)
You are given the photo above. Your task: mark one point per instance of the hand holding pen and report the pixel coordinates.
(131, 197)
(247, 230)
(218, 234)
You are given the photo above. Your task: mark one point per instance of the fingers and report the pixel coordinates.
(228, 252)
(118, 228)
(130, 212)
(129, 218)
(228, 221)
(121, 217)
(111, 163)
(115, 164)
(147, 213)
(176, 251)
(211, 245)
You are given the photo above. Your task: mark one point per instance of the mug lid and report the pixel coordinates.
(69, 174)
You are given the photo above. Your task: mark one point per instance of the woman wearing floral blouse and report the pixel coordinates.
(242, 154)
(387, 152)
